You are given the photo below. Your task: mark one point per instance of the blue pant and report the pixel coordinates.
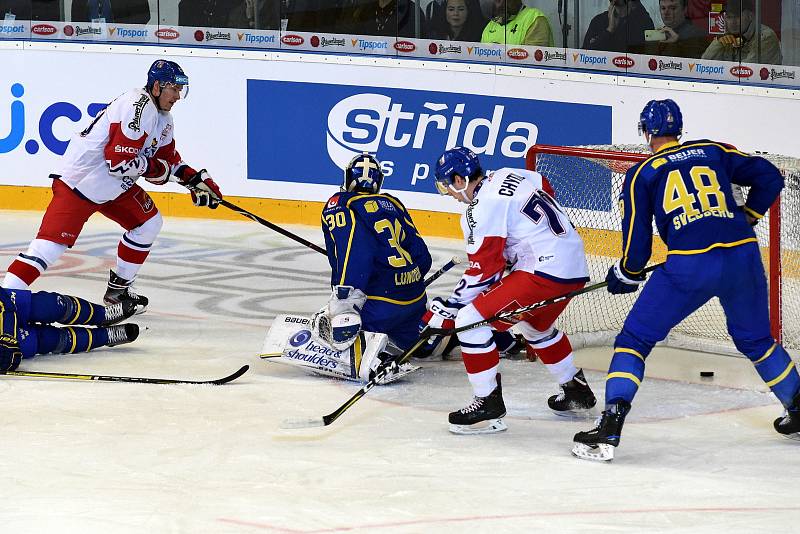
(735, 276)
(399, 322)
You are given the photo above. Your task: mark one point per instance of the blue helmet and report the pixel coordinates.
(660, 118)
(458, 160)
(363, 174)
(164, 72)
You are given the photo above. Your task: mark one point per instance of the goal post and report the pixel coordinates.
(588, 180)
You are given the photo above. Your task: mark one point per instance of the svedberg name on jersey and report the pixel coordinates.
(371, 122)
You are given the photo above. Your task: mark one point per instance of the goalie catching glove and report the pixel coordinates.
(10, 355)
(339, 322)
(205, 192)
(621, 281)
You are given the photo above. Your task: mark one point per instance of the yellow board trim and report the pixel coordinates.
(629, 376)
(783, 375)
(630, 351)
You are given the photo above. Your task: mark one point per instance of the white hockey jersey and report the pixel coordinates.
(514, 218)
(105, 160)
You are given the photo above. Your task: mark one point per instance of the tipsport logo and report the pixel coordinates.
(47, 119)
(378, 123)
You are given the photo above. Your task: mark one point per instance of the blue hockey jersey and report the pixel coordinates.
(9, 322)
(688, 189)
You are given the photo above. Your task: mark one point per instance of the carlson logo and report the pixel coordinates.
(168, 34)
(405, 46)
(623, 62)
(43, 29)
(292, 40)
(740, 71)
(517, 53)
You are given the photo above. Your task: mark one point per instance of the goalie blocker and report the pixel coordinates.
(290, 341)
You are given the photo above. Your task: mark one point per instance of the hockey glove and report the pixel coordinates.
(620, 281)
(10, 355)
(441, 314)
(205, 192)
(157, 171)
(339, 322)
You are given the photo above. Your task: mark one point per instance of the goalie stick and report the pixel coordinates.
(389, 366)
(106, 378)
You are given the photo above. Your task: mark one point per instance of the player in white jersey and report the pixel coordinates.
(512, 217)
(131, 138)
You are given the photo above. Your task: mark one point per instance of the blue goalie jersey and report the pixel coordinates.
(373, 245)
(689, 189)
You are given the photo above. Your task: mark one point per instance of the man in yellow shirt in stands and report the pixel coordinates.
(516, 24)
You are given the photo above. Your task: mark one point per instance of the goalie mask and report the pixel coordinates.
(363, 174)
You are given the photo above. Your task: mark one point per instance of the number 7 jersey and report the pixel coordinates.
(515, 218)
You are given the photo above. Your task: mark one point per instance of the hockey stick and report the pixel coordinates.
(455, 260)
(273, 226)
(391, 366)
(105, 378)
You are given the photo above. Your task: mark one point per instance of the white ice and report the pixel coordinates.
(98, 457)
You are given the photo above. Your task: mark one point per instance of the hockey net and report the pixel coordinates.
(588, 180)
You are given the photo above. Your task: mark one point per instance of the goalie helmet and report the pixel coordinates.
(167, 72)
(363, 174)
(661, 118)
(459, 160)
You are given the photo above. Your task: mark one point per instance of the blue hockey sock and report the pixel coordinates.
(625, 374)
(65, 309)
(70, 339)
(778, 371)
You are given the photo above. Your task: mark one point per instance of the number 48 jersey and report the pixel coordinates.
(515, 218)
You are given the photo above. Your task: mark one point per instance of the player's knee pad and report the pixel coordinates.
(476, 339)
(46, 252)
(147, 232)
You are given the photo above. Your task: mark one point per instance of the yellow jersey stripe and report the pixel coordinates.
(349, 246)
(753, 213)
(630, 351)
(393, 301)
(781, 376)
(766, 354)
(715, 245)
(629, 376)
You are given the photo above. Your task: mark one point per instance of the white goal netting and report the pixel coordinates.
(588, 180)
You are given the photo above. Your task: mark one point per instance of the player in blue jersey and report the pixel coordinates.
(26, 325)
(712, 251)
(378, 264)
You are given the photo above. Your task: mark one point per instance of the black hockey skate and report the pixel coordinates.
(599, 443)
(122, 334)
(121, 290)
(576, 398)
(789, 423)
(116, 313)
(483, 416)
(515, 351)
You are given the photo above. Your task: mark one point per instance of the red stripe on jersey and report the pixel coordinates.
(120, 148)
(25, 272)
(130, 255)
(555, 352)
(488, 260)
(479, 362)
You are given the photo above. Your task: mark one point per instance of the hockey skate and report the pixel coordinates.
(515, 351)
(599, 443)
(483, 416)
(575, 400)
(789, 423)
(121, 290)
(116, 313)
(122, 334)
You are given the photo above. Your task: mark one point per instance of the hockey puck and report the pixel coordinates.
(706, 374)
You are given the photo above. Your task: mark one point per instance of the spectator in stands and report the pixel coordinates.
(739, 42)
(457, 20)
(517, 24)
(314, 15)
(29, 10)
(119, 11)
(681, 37)
(230, 14)
(620, 28)
(384, 17)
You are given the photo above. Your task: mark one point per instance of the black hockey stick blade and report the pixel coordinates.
(143, 380)
(273, 226)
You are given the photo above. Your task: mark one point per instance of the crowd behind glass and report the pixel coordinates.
(756, 31)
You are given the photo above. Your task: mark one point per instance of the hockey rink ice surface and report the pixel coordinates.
(99, 457)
